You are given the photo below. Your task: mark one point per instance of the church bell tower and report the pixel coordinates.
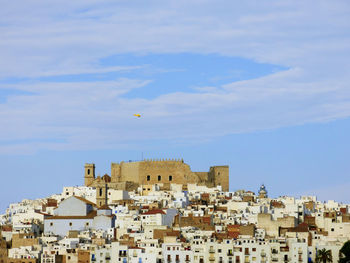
(89, 176)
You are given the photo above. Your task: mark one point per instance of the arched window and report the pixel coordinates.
(148, 178)
(170, 178)
(88, 171)
(100, 191)
(159, 178)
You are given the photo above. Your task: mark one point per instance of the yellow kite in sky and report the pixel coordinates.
(137, 115)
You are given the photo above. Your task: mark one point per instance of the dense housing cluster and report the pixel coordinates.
(167, 223)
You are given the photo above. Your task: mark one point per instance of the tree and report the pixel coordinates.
(324, 256)
(344, 253)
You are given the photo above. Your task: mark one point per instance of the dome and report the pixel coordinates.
(262, 189)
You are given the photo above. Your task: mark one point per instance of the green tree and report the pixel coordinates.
(344, 253)
(324, 256)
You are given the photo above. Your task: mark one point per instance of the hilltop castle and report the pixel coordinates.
(130, 175)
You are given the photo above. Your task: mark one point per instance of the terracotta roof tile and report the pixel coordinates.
(154, 212)
(90, 215)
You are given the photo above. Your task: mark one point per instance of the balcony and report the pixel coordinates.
(211, 250)
(229, 253)
(211, 258)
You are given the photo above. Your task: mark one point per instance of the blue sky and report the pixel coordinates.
(260, 86)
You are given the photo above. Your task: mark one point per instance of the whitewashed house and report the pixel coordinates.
(77, 213)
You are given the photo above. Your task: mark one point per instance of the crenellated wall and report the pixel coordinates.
(160, 171)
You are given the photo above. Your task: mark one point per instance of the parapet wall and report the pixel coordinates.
(165, 171)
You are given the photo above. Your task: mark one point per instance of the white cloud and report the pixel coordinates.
(39, 39)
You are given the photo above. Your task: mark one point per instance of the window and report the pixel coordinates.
(170, 177)
(51, 224)
(88, 171)
(100, 191)
(148, 178)
(87, 223)
(159, 178)
(70, 224)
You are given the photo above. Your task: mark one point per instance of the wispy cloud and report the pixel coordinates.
(310, 39)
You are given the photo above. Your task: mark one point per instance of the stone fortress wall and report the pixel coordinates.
(130, 175)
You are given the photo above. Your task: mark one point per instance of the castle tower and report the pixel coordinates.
(219, 175)
(101, 195)
(89, 176)
(115, 172)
